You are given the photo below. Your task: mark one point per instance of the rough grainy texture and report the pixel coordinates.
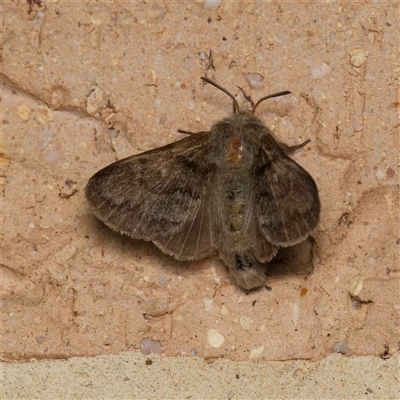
(86, 84)
(133, 376)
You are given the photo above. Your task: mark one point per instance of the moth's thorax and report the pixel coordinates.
(235, 150)
(235, 140)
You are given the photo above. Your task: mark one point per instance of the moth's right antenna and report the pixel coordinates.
(269, 97)
(235, 103)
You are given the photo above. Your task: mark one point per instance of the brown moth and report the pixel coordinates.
(231, 191)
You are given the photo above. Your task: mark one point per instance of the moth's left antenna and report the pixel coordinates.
(235, 103)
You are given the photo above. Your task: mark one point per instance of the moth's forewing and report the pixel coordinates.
(288, 203)
(156, 195)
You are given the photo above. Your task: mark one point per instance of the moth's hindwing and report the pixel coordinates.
(195, 240)
(263, 250)
(159, 195)
(288, 204)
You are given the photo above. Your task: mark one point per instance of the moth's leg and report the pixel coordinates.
(191, 133)
(291, 149)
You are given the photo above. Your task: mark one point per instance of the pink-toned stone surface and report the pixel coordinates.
(85, 84)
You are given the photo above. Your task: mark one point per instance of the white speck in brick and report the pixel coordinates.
(57, 97)
(53, 154)
(208, 303)
(224, 310)
(24, 111)
(309, 61)
(148, 346)
(210, 4)
(95, 101)
(357, 126)
(255, 81)
(341, 347)
(357, 57)
(371, 261)
(245, 322)
(321, 71)
(214, 338)
(380, 175)
(356, 286)
(256, 352)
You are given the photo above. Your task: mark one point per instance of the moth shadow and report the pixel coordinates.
(111, 240)
(294, 260)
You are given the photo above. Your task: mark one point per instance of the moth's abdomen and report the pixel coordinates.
(235, 193)
(245, 269)
(236, 211)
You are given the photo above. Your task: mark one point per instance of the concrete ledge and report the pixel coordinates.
(134, 376)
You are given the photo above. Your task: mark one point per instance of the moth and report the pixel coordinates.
(232, 191)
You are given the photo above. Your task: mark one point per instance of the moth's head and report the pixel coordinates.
(236, 108)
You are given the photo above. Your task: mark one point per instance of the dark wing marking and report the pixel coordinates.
(158, 196)
(288, 204)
